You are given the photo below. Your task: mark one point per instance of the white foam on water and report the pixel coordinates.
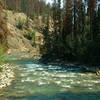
(61, 75)
(66, 86)
(58, 82)
(41, 83)
(91, 81)
(90, 88)
(78, 82)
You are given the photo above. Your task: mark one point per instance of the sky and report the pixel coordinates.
(49, 1)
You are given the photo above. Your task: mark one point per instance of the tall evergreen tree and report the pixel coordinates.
(91, 14)
(68, 19)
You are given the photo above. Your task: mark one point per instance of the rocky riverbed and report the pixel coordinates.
(6, 75)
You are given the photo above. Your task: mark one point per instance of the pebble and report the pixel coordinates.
(6, 76)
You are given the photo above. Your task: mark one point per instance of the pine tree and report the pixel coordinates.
(68, 19)
(91, 14)
(80, 17)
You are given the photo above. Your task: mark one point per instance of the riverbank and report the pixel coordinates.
(66, 64)
(6, 75)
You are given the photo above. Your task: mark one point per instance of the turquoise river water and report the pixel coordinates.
(36, 81)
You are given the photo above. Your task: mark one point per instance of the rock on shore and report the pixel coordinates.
(6, 76)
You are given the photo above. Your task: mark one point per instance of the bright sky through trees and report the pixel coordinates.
(49, 1)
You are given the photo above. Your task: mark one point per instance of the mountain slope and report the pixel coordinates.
(13, 32)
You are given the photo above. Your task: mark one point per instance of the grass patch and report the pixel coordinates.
(2, 58)
(2, 55)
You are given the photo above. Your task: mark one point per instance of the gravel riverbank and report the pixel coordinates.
(6, 75)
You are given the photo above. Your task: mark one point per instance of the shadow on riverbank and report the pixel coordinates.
(69, 67)
(54, 61)
(84, 67)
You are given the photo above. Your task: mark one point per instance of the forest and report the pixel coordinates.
(49, 49)
(76, 31)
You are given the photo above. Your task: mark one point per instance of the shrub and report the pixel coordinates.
(2, 56)
(30, 35)
(20, 23)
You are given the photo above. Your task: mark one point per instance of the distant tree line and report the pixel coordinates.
(30, 7)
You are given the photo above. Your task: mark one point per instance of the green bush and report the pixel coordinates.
(20, 23)
(30, 35)
(2, 56)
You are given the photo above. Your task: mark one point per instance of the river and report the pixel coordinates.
(36, 81)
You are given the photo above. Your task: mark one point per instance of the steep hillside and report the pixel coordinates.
(3, 25)
(13, 31)
(16, 40)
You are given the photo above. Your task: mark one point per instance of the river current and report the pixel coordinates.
(36, 81)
